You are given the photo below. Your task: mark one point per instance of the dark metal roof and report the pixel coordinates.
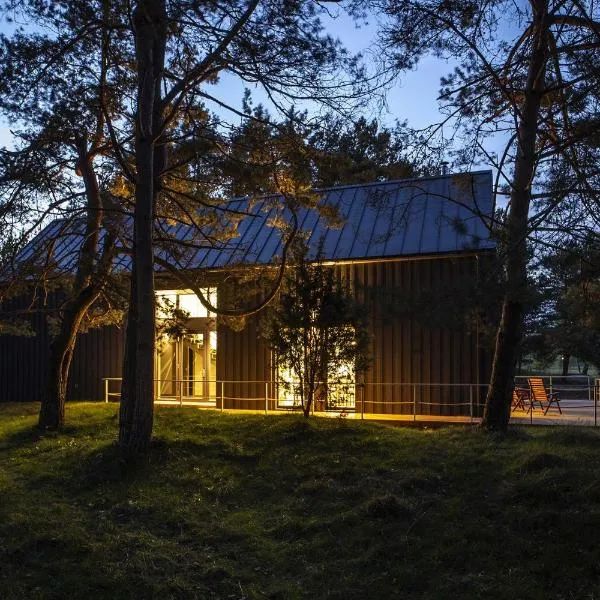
(448, 213)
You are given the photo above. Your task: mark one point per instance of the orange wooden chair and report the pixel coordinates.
(520, 396)
(539, 394)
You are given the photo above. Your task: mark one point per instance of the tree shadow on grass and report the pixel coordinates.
(22, 437)
(32, 434)
(111, 464)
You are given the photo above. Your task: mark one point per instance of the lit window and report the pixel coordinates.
(185, 300)
(166, 301)
(340, 391)
(192, 305)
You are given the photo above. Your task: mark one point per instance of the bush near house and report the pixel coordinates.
(264, 507)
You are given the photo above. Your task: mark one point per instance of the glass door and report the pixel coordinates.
(187, 367)
(167, 352)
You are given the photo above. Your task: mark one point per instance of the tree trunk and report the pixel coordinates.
(84, 294)
(508, 337)
(586, 368)
(52, 410)
(566, 360)
(137, 398)
(309, 400)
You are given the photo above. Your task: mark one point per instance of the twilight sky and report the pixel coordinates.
(411, 98)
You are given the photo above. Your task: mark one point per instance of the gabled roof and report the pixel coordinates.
(433, 215)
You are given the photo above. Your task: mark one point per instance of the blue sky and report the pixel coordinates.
(412, 97)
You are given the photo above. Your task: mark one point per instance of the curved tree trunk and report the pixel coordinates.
(508, 338)
(52, 410)
(86, 289)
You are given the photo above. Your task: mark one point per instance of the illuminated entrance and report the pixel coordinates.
(186, 363)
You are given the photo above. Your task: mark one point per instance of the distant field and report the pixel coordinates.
(240, 507)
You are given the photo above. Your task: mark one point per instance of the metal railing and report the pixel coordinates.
(425, 399)
(579, 399)
(406, 401)
(579, 396)
(179, 392)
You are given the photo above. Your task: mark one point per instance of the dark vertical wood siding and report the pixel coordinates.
(98, 354)
(23, 360)
(413, 361)
(243, 366)
(416, 366)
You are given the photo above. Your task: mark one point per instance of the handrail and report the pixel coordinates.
(417, 401)
(364, 399)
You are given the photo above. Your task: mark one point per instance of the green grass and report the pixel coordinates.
(261, 507)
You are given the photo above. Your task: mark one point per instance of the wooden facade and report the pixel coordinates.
(244, 367)
(423, 363)
(420, 364)
(98, 354)
(411, 250)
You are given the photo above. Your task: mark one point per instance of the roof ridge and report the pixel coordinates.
(380, 219)
(333, 188)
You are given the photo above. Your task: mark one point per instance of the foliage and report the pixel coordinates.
(360, 152)
(324, 153)
(17, 327)
(525, 71)
(115, 94)
(268, 156)
(56, 90)
(567, 322)
(172, 321)
(253, 507)
(180, 50)
(317, 328)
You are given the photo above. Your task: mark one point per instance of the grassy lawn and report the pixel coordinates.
(261, 507)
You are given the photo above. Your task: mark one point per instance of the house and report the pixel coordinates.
(414, 250)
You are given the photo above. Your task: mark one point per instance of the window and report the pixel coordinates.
(185, 300)
(339, 390)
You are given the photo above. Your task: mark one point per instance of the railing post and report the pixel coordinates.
(106, 390)
(266, 397)
(471, 401)
(596, 394)
(589, 380)
(531, 409)
(222, 395)
(362, 401)
(414, 402)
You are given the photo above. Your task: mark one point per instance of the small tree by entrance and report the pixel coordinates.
(317, 329)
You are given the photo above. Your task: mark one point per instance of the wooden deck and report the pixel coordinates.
(574, 413)
(420, 419)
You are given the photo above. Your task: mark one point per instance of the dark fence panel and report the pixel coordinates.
(23, 360)
(98, 354)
